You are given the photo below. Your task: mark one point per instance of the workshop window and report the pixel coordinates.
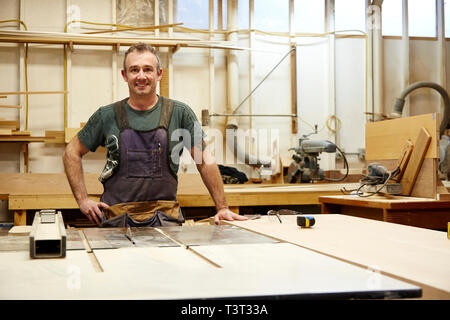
(309, 16)
(272, 16)
(447, 18)
(192, 13)
(243, 14)
(220, 25)
(350, 15)
(421, 18)
(391, 17)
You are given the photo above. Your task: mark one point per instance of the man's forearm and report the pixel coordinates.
(213, 181)
(74, 173)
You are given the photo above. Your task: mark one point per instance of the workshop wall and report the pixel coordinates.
(92, 85)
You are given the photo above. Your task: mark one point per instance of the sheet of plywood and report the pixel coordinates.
(416, 254)
(385, 139)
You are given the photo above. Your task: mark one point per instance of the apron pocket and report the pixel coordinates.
(144, 163)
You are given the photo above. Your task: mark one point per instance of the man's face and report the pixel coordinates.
(141, 73)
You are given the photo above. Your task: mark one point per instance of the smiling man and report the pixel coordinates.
(140, 174)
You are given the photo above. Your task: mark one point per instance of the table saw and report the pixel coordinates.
(186, 262)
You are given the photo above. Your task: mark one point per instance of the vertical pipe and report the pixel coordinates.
(115, 53)
(170, 10)
(378, 62)
(442, 52)
(232, 63)
(251, 41)
(211, 59)
(293, 69)
(156, 31)
(405, 53)
(23, 99)
(331, 74)
(369, 63)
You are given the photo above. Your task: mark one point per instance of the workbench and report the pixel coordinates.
(419, 212)
(52, 191)
(210, 262)
(415, 255)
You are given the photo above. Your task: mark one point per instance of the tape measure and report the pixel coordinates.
(305, 221)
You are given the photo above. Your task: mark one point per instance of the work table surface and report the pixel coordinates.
(191, 190)
(415, 254)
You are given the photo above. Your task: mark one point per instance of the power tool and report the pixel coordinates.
(305, 167)
(379, 179)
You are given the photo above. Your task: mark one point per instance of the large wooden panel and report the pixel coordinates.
(385, 139)
(416, 254)
(251, 270)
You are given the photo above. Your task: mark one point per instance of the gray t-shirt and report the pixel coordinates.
(101, 130)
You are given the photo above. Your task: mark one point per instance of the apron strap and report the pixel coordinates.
(122, 119)
(166, 112)
(120, 114)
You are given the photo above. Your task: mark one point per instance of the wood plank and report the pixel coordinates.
(21, 133)
(5, 132)
(32, 92)
(385, 139)
(10, 124)
(412, 169)
(54, 136)
(404, 159)
(10, 106)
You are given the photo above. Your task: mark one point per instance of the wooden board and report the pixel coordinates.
(52, 136)
(419, 255)
(415, 163)
(385, 139)
(10, 124)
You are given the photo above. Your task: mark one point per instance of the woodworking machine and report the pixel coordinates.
(305, 165)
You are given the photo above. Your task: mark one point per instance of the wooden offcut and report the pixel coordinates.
(54, 136)
(412, 170)
(404, 159)
(10, 124)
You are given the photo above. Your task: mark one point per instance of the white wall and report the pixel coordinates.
(91, 73)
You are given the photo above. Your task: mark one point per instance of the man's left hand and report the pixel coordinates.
(227, 214)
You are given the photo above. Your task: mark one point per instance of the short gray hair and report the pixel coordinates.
(142, 47)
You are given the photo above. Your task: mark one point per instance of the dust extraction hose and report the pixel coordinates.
(400, 102)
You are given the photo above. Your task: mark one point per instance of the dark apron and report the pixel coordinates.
(142, 191)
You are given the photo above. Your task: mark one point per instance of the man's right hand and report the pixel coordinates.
(91, 209)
